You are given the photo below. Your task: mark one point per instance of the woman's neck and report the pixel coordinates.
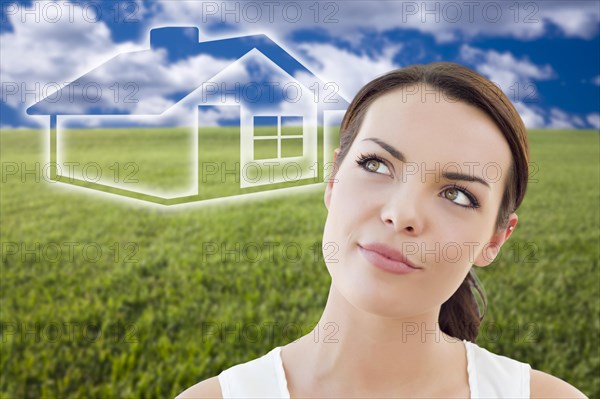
(357, 352)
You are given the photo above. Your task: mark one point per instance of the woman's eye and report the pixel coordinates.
(375, 166)
(457, 196)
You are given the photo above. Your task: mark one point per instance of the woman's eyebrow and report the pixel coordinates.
(447, 175)
(393, 151)
(465, 177)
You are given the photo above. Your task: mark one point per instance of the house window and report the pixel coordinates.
(277, 137)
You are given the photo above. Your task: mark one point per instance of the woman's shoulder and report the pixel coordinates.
(260, 377)
(544, 385)
(209, 388)
(489, 367)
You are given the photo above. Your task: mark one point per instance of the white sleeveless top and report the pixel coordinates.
(490, 376)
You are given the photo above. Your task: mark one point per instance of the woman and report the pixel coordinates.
(432, 165)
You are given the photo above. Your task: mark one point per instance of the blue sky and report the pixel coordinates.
(545, 55)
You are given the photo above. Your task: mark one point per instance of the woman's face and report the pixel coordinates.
(391, 190)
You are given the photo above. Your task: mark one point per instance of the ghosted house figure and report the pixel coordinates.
(247, 83)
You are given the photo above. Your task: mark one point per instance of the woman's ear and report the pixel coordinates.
(331, 178)
(492, 247)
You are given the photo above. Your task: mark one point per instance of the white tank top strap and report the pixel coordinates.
(496, 376)
(259, 378)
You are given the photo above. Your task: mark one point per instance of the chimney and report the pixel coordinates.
(178, 41)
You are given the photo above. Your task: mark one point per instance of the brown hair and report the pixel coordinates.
(460, 316)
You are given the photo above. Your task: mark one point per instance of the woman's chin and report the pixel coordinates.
(375, 301)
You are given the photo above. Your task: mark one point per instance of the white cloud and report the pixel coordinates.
(596, 80)
(536, 118)
(155, 78)
(348, 70)
(575, 18)
(594, 120)
(514, 76)
(516, 79)
(445, 21)
(44, 55)
(578, 121)
(152, 106)
(533, 117)
(559, 119)
(212, 117)
(38, 58)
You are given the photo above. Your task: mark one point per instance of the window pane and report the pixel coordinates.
(291, 125)
(265, 126)
(291, 147)
(265, 149)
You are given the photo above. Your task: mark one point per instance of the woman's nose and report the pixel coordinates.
(403, 210)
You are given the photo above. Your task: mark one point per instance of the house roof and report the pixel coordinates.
(134, 83)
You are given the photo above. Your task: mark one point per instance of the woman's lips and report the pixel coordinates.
(387, 258)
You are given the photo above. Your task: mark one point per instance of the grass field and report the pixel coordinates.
(103, 297)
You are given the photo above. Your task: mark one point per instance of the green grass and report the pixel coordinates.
(157, 315)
